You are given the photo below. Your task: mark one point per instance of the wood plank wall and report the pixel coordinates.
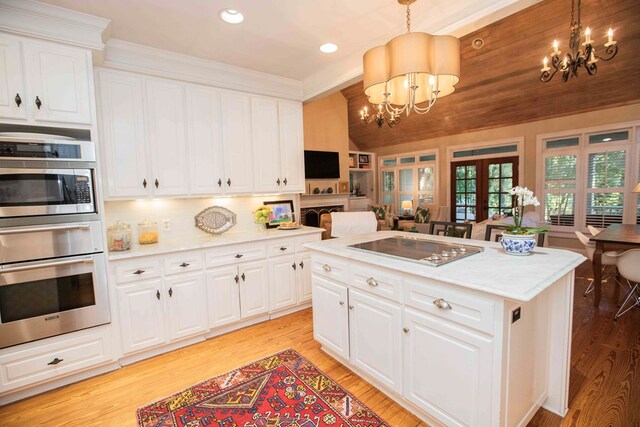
(500, 83)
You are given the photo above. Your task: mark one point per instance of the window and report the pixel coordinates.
(587, 178)
(409, 177)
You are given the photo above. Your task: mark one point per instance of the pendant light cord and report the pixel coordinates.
(408, 18)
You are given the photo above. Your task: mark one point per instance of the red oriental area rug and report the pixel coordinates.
(283, 390)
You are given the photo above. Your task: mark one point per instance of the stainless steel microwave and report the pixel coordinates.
(41, 177)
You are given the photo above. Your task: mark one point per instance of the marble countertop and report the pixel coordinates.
(519, 278)
(228, 238)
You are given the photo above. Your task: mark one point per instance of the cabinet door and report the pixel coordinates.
(123, 136)
(11, 80)
(187, 307)
(266, 145)
(236, 142)
(254, 288)
(331, 315)
(282, 280)
(291, 146)
(375, 327)
(223, 296)
(59, 77)
(167, 137)
(204, 138)
(304, 276)
(142, 319)
(447, 370)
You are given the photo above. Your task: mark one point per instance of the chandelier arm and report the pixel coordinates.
(611, 51)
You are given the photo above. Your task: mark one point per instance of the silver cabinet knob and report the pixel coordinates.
(372, 282)
(326, 268)
(442, 304)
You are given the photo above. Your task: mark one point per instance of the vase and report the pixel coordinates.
(518, 244)
(261, 227)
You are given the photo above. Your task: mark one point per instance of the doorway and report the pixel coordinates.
(480, 188)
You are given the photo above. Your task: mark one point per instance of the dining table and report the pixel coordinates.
(615, 235)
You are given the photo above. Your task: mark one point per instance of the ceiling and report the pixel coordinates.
(282, 37)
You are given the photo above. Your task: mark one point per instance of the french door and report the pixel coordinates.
(480, 188)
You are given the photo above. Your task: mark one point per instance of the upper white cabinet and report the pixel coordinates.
(236, 140)
(53, 86)
(291, 146)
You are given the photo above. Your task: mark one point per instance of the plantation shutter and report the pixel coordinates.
(560, 189)
(605, 188)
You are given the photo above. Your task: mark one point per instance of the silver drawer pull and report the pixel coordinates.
(45, 228)
(442, 304)
(372, 282)
(326, 268)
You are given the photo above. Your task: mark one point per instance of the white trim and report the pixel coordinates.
(52, 23)
(127, 56)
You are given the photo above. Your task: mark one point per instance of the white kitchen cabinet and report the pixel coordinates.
(166, 143)
(448, 370)
(303, 278)
(331, 315)
(291, 147)
(186, 305)
(254, 288)
(381, 357)
(123, 139)
(53, 86)
(236, 139)
(223, 296)
(266, 144)
(59, 82)
(12, 88)
(283, 277)
(204, 137)
(142, 315)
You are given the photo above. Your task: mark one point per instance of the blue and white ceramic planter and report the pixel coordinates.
(518, 244)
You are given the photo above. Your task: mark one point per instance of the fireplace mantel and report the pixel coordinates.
(317, 200)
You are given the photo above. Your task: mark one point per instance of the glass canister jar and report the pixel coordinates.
(147, 232)
(119, 236)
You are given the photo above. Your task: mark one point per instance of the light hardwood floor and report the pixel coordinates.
(605, 376)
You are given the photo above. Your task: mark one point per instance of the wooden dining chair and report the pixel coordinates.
(451, 229)
(491, 227)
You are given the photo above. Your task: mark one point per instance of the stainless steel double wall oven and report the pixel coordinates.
(52, 267)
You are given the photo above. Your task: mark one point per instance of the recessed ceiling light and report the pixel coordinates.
(231, 16)
(328, 48)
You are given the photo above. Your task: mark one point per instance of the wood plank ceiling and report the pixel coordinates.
(499, 83)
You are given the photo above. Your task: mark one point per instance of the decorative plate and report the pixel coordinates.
(215, 220)
(284, 227)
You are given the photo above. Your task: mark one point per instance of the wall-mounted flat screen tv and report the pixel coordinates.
(321, 164)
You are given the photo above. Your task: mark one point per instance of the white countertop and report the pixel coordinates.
(228, 238)
(492, 271)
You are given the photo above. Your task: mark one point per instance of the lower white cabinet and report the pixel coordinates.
(447, 370)
(186, 305)
(282, 274)
(375, 332)
(303, 278)
(331, 315)
(142, 318)
(237, 292)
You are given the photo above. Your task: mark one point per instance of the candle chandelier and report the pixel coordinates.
(409, 73)
(576, 58)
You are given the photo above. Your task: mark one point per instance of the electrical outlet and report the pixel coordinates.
(166, 224)
(515, 315)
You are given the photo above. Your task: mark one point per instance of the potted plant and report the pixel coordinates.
(516, 239)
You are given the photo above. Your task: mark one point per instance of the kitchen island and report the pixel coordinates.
(483, 340)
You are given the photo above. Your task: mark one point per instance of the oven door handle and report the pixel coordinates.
(47, 228)
(87, 260)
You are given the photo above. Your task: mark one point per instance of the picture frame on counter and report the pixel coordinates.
(282, 211)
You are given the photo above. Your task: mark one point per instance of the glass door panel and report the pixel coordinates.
(388, 187)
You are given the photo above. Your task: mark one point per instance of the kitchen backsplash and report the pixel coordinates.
(181, 212)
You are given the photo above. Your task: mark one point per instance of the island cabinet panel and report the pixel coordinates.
(187, 307)
(223, 295)
(375, 327)
(379, 281)
(448, 370)
(331, 315)
(331, 267)
(282, 275)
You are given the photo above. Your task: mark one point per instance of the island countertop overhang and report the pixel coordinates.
(491, 271)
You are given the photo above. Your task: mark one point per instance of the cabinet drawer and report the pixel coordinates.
(328, 266)
(234, 253)
(467, 307)
(379, 281)
(281, 247)
(303, 240)
(182, 262)
(54, 359)
(137, 269)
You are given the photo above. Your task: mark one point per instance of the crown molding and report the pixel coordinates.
(34, 19)
(127, 56)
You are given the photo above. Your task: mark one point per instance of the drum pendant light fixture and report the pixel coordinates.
(409, 73)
